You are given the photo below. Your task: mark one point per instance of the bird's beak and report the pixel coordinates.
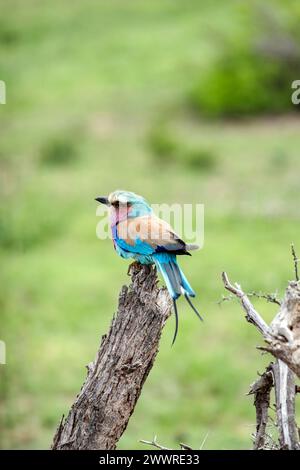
(103, 200)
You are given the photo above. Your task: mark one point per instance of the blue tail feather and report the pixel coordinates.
(184, 282)
(176, 282)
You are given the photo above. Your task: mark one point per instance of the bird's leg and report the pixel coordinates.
(134, 265)
(149, 267)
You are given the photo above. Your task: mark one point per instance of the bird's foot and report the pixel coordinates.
(135, 266)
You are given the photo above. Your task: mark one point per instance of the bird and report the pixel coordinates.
(139, 234)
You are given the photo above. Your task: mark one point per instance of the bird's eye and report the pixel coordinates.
(117, 204)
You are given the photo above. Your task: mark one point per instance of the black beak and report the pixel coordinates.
(103, 200)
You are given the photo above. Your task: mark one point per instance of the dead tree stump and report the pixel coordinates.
(101, 411)
(283, 341)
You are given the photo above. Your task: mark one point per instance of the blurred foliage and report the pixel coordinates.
(204, 159)
(60, 150)
(162, 144)
(167, 148)
(32, 222)
(279, 159)
(254, 70)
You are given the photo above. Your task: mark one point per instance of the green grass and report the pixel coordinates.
(91, 81)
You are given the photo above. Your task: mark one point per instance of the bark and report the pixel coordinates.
(285, 391)
(252, 316)
(283, 335)
(283, 339)
(101, 411)
(261, 389)
(285, 329)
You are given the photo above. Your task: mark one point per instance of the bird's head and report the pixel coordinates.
(125, 204)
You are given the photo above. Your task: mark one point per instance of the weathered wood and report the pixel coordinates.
(283, 335)
(252, 316)
(285, 329)
(285, 391)
(115, 379)
(261, 389)
(283, 338)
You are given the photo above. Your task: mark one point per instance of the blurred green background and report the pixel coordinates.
(181, 101)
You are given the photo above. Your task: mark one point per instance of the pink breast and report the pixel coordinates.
(118, 214)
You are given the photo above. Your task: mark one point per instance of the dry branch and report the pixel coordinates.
(283, 335)
(252, 316)
(283, 338)
(101, 411)
(285, 329)
(284, 385)
(155, 444)
(261, 389)
(296, 261)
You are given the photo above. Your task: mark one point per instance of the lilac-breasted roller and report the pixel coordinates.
(137, 233)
